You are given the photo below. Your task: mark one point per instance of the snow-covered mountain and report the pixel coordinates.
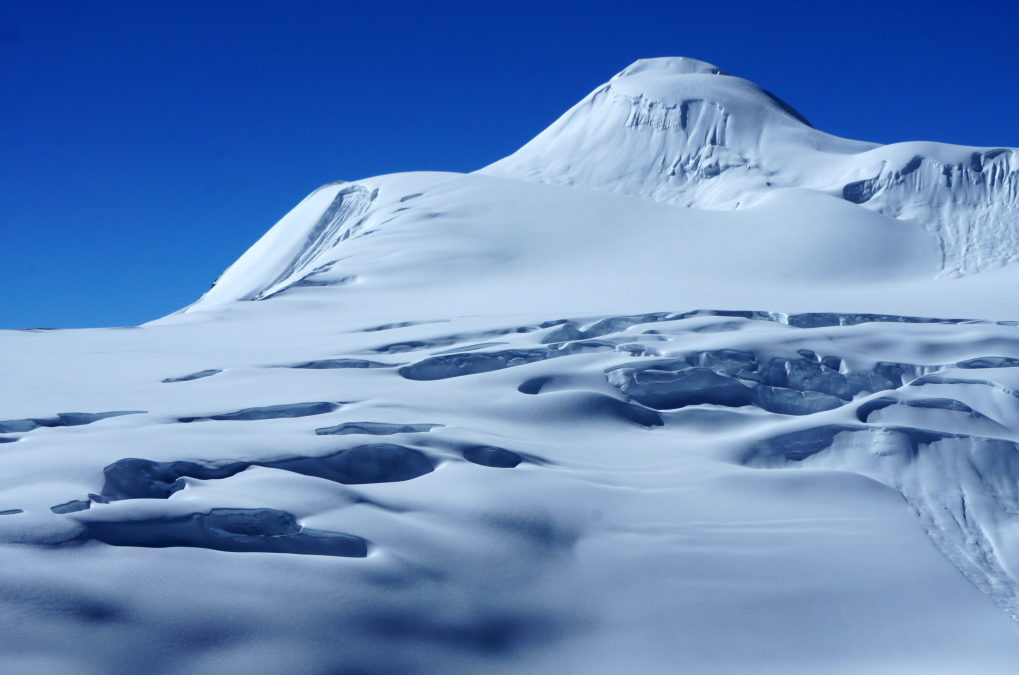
(683, 131)
(655, 394)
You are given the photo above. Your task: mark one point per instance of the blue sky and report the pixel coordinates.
(145, 145)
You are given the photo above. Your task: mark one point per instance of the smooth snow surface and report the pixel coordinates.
(683, 385)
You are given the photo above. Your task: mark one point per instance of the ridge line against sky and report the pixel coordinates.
(147, 145)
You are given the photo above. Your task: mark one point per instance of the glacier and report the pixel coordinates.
(682, 385)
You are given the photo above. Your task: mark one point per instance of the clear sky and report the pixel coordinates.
(145, 145)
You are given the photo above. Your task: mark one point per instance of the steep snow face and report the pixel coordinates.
(685, 132)
(298, 249)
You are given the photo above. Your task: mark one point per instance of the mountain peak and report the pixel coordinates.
(671, 129)
(682, 131)
(669, 65)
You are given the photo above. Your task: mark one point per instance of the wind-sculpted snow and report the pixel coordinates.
(519, 501)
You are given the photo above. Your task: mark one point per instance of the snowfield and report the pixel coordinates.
(683, 385)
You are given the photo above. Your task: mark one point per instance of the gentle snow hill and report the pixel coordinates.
(467, 245)
(683, 385)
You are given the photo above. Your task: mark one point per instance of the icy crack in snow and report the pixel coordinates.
(68, 419)
(232, 530)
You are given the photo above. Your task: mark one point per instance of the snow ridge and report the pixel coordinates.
(298, 248)
(339, 222)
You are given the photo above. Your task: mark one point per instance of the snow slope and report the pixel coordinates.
(654, 394)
